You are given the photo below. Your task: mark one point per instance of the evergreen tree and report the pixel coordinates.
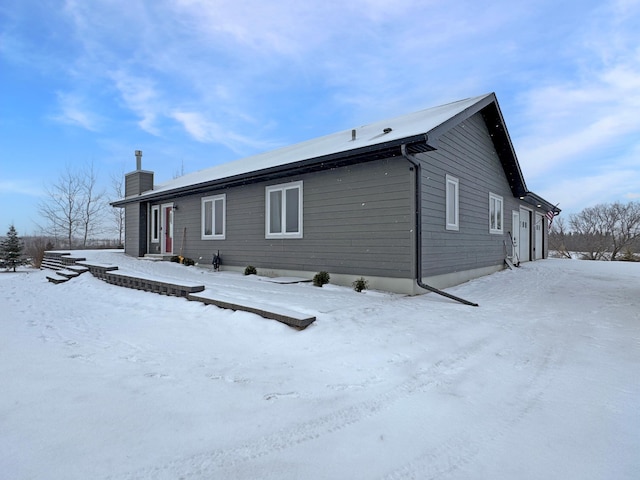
(11, 248)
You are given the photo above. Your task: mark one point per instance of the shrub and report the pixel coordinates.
(250, 270)
(321, 278)
(360, 284)
(183, 260)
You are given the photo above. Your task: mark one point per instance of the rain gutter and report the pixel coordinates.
(418, 230)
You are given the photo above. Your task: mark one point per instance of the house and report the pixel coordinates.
(430, 199)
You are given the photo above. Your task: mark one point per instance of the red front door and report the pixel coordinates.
(168, 229)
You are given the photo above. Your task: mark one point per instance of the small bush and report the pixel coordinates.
(629, 256)
(360, 284)
(183, 260)
(250, 270)
(321, 278)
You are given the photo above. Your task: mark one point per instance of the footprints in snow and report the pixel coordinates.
(276, 396)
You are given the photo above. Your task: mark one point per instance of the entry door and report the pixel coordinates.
(515, 235)
(538, 232)
(525, 235)
(167, 228)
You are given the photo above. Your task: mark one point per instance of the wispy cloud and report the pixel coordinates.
(220, 79)
(20, 187)
(596, 109)
(207, 131)
(141, 97)
(578, 191)
(74, 110)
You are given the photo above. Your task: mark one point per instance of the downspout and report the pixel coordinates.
(418, 231)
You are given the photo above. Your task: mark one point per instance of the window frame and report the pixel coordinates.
(455, 182)
(213, 199)
(155, 224)
(283, 188)
(496, 222)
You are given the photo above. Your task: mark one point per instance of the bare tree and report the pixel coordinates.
(63, 205)
(607, 229)
(73, 206)
(91, 204)
(179, 173)
(117, 191)
(626, 226)
(35, 247)
(558, 238)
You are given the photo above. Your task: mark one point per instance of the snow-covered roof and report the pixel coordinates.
(377, 133)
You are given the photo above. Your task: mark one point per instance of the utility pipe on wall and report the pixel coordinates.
(418, 230)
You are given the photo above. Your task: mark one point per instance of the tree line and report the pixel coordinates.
(75, 210)
(74, 213)
(608, 231)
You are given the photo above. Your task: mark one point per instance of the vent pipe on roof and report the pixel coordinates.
(138, 159)
(353, 134)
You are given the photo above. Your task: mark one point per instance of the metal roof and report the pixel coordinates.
(362, 143)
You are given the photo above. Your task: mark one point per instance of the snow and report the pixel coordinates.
(404, 126)
(540, 381)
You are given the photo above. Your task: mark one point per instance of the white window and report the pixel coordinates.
(495, 213)
(284, 211)
(451, 203)
(213, 217)
(155, 223)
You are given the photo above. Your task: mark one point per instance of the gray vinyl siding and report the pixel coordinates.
(137, 182)
(467, 153)
(356, 220)
(135, 239)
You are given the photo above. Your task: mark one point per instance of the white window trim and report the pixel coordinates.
(456, 213)
(498, 199)
(283, 187)
(213, 235)
(155, 224)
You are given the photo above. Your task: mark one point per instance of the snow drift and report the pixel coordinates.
(541, 381)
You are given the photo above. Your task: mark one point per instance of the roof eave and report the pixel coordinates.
(539, 202)
(347, 157)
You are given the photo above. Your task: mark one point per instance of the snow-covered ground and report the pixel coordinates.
(540, 381)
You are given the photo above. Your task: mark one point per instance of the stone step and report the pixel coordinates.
(67, 273)
(57, 279)
(170, 286)
(273, 312)
(51, 264)
(77, 268)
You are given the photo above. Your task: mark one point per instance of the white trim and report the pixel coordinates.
(455, 225)
(213, 235)
(496, 225)
(538, 236)
(282, 213)
(526, 245)
(164, 227)
(155, 224)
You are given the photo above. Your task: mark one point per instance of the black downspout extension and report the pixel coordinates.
(418, 227)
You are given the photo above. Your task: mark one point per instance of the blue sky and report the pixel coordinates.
(195, 83)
